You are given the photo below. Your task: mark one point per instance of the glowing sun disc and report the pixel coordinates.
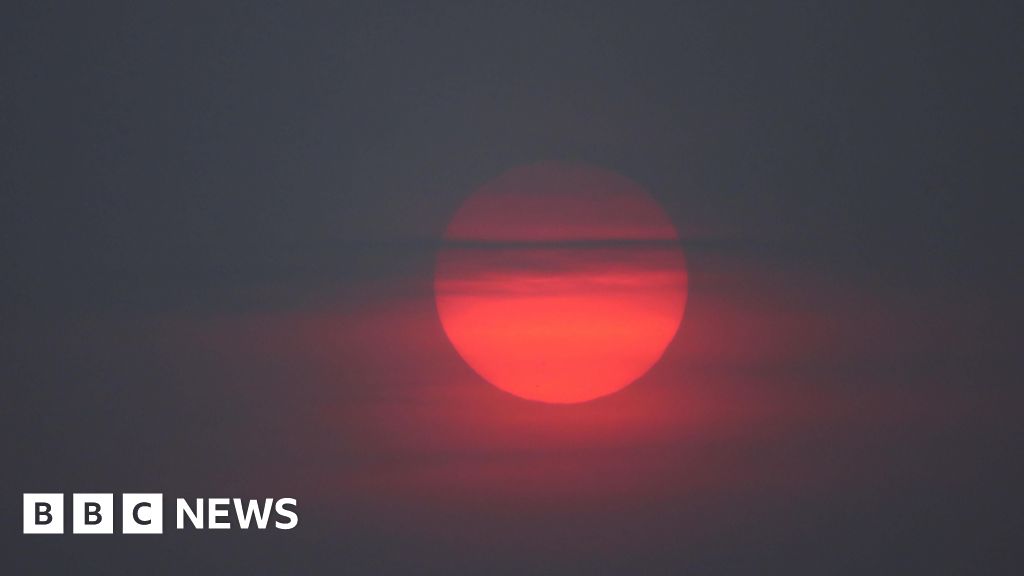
(560, 282)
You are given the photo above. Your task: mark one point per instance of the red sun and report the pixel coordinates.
(560, 282)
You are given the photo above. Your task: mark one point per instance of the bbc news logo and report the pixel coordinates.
(143, 513)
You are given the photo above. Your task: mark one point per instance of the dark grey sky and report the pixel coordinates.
(194, 146)
(163, 162)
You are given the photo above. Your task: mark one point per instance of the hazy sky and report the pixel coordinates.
(219, 225)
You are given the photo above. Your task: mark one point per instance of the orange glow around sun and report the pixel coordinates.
(560, 282)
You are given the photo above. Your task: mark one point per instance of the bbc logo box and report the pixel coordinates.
(43, 514)
(142, 514)
(93, 513)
